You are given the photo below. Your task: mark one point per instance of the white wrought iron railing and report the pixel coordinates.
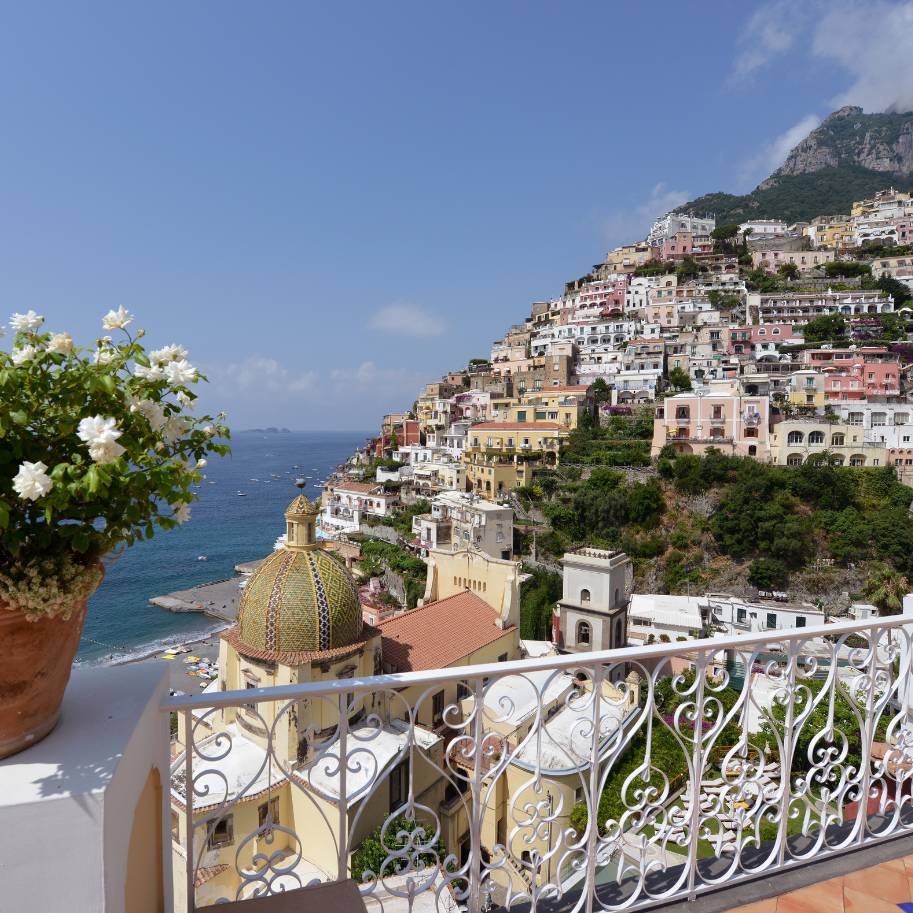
(606, 780)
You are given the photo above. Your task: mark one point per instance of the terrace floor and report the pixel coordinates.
(883, 888)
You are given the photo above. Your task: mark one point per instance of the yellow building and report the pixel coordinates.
(836, 235)
(561, 404)
(501, 456)
(797, 441)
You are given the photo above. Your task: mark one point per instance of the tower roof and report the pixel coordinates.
(299, 601)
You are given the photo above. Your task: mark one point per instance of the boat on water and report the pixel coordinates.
(242, 494)
(202, 558)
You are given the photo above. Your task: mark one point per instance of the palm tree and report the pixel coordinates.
(886, 588)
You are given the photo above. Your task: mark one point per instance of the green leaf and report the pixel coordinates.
(19, 417)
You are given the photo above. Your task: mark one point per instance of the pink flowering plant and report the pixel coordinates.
(98, 446)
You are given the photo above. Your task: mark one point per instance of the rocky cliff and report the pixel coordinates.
(876, 142)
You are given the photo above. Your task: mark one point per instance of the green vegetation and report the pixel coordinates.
(623, 441)
(847, 268)
(679, 379)
(829, 327)
(371, 854)
(885, 588)
(538, 596)
(377, 554)
(402, 522)
(801, 197)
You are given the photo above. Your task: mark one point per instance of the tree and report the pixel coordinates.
(824, 328)
(679, 379)
(789, 271)
(897, 290)
(688, 269)
(394, 441)
(847, 268)
(600, 390)
(886, 588)
(725, 232)
(372, 853)
(767, 573)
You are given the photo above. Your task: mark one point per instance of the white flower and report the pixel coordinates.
(23, 354)
(103, 356)
(168, 353)
(117, 320)
(174, 428)
(180, 372)
(181, 512)
(32, 481)
(61, 343)
(154, 413)
(184, 398)
(98, 430)
(24, 322)
(152, 373)
(105, 451)
(201, 464)
(209, 430)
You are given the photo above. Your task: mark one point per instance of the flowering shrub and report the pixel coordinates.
(96, 450)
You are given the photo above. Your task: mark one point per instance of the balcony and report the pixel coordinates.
(498, 803)
(742, 774)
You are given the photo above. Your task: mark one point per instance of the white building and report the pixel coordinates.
(459, 519)
(596, 590)
(735, 615)
(346, 502)
(673, 223)
(763, 228)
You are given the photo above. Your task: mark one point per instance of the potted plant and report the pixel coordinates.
(97, 448)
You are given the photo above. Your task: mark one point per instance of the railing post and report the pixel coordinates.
(786, 757)
(868, 734)
(475, 827)
(189, 865)
(592, 842)
(342, 864)
(697, 768)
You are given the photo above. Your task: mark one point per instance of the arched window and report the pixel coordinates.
(857, 459)
(816, 437)
(583, 632)
(584, 597)
(795, 437)
(794, 459)
(837, 440)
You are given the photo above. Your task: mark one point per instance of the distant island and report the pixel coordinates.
(264, 431)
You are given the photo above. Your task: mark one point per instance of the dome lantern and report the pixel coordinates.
(301, 524)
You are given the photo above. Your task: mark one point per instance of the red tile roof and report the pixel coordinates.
(441, 633)
(365, 487)
(518, 426)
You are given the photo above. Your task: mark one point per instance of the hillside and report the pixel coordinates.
(851, 155)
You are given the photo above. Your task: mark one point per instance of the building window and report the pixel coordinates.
(837, 440)
(268, 814)
(741, 616)
(398, 786)
(584, 597)
(794, 459)
(795, 437)
(816, 437)
(583, 632)
(437, 708)
(223, 833)
(771, 620)
(800, 621)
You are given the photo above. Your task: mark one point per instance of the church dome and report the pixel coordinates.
(301, 599)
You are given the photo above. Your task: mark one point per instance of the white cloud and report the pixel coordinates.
(258, 375)
(367, 377)
(406, 319)
(772, 30)
(627, 225)
(873, 42)
(772, 155)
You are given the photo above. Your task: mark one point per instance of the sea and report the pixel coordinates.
(238, 517)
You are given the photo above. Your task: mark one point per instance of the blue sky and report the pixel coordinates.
(330, 204)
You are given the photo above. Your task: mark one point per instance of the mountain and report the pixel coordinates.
(850, 155)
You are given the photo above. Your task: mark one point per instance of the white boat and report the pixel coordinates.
(202, 558)
(242, 494)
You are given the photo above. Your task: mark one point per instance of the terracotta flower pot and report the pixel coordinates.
(35, 663)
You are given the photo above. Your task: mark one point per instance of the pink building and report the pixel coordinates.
(744, 340)
(856, 373)
(905, 231)
(716, 415)
(608, 295)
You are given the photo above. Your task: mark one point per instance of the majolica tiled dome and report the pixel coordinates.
(301, 599)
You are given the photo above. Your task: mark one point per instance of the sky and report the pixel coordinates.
(331, 204)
